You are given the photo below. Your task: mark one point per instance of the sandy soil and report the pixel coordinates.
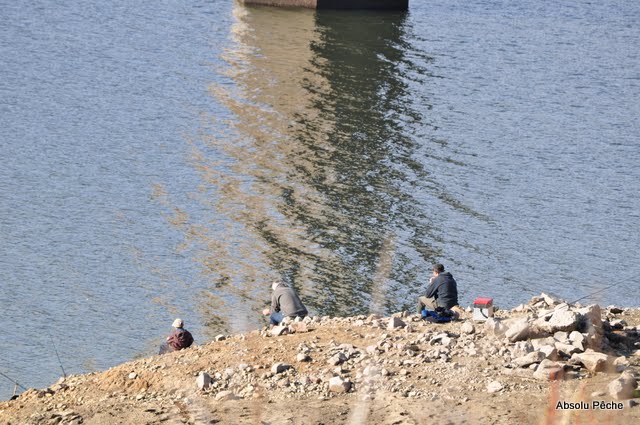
(423, 373)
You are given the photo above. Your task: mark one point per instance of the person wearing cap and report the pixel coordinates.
(441, 292)
(284, 303)
(179, 339)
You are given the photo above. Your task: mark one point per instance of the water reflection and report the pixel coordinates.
(313, 177)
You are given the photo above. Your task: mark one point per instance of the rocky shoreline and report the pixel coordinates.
(543, 362)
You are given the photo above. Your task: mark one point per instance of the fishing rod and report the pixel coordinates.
(64, 374)
(16, 384)
(566, 306)
(635, 276)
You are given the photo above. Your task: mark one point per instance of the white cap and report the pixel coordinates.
(178, 323)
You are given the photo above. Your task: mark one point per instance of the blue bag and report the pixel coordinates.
(441, 315)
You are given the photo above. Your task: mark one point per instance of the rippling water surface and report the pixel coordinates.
(165, 159)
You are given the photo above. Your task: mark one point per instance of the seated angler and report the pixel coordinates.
(442, 292)
(179, 339)
(284, 303)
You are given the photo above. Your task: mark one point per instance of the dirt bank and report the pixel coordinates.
(544, 362)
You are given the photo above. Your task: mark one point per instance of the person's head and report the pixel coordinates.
(437, 269)
(275, 284)
(178, 323)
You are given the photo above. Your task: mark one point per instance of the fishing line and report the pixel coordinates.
(606, 287)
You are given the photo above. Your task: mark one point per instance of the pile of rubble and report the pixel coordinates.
(545, 340)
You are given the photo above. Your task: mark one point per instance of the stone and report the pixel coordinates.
(621, 363)
(280, 367)
(467, 328)
(521, 348)
(518, 331)
(622, 387)
(299, 327)
(549, 351)
(541, 342)
(395, 323)
(561, 336)
(226, 395)
(549, 300)
(371, 371)
(337, 359)
(302, 357)
(591, 325)
(494, 326)
(549, 370)
(372, 349)
(442, 339)
(339, 385)
(614, 310)
(533, 357)
(592, 360)
(566, 349)
(494, 386)
(133, 375)
(618, 324)
(563, 320)
(203, 381)
(279, 330)
(219, 337)
(577, 340)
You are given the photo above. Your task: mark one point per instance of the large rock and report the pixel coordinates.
(529, 359)
(622, 388)
(548, 370)
(519, 331)
(591, 325)
(592, 360)
(339, 385)
(577, 339)
(562, 320)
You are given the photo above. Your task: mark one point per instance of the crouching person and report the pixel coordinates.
(179, 339)
(442, 293)
(284, 303)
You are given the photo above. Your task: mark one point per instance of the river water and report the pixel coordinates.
(170, 159)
